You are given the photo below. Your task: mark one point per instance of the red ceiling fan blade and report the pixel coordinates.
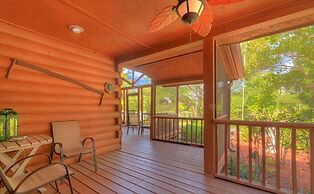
(163, 19)
(204, 25)
(223, 2)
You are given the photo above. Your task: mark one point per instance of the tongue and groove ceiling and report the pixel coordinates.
(112, 27)
(118, 29)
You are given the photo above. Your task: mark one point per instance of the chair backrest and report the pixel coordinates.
(133, 118)
(68, 134)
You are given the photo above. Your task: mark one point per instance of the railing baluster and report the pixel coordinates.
(202, 130)
(181, 130)
(196, 135)
(186, 130)
(293, 159)
(158, 127)
(226, 150)
(165, 129)
(250, 154)
(277, 158)
(312, 160)
(238, 152)
(169, 129)
(263, 156)
(173, 130)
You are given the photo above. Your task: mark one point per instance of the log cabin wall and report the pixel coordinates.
(41, 99)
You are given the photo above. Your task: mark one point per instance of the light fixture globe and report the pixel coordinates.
(76, 29)
(190, 10)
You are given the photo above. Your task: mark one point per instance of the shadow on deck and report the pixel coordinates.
(144, 166)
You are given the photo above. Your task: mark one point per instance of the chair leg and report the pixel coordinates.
(95, 162)
(70, 185)
(127, 131)
(57, 188)
(139, 129)
(80, 157)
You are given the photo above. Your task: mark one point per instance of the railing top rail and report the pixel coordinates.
(265, 124)
(174, 117)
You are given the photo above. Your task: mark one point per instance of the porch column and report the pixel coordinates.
(209, 73)
(152, 110)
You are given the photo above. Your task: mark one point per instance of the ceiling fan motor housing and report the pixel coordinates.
(190, 10)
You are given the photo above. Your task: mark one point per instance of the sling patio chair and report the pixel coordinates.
(133, 121)
(68, 143)
(36, 179)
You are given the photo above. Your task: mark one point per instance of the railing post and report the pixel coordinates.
(209, 75)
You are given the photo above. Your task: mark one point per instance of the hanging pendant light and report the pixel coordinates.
(190, 10)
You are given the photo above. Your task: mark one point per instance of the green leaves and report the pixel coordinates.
(279, 78)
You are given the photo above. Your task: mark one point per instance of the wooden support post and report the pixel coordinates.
(10, 69)
(152, 110)
(127, 107)
(118, 83)
(142, 109)
(138, 105)
(312, 159)
(209, 73)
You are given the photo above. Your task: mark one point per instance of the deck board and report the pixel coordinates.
(144, 166)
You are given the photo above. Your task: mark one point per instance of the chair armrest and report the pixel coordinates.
(91, 139)
(38, 169)
(54, 145)
(31, 156)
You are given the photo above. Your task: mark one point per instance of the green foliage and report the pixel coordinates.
(191, 100)
(279, 77)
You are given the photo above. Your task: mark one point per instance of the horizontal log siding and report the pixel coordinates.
(41, 99)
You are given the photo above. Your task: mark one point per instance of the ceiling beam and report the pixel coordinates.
(277, 11)
(180, 80)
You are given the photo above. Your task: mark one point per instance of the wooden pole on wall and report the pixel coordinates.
(209, 105)
(152, 110)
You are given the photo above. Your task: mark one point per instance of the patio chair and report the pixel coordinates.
(37, 178)
(133, 121)
(68, 143)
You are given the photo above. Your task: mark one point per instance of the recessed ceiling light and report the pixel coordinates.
(76, 29)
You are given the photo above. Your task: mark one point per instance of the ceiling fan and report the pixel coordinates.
(197, 13)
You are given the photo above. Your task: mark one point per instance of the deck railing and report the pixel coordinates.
(270, 155)
(182, 130)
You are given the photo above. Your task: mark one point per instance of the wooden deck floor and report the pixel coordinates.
(144, 166)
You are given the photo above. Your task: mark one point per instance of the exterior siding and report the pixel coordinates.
(41, 99)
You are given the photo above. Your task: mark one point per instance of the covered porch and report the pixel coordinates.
(63, 61)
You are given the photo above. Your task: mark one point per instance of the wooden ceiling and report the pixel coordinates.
(118, 29)
(112, 27)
